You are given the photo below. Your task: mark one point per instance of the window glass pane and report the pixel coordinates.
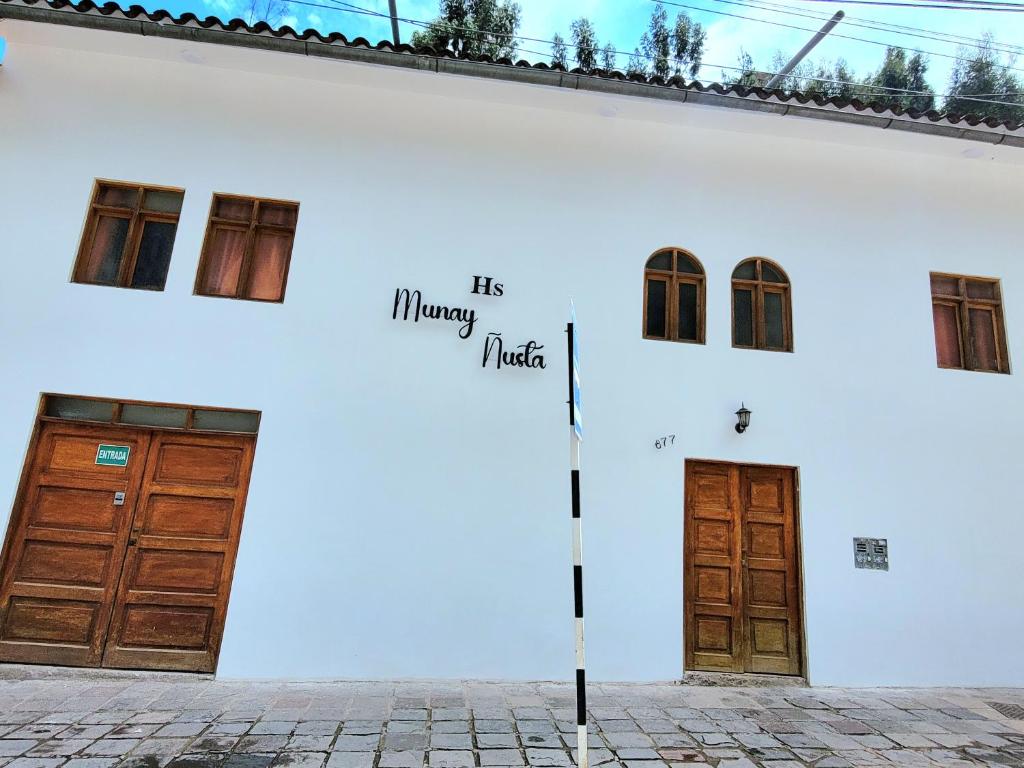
(82, 410)
(230, 208)
(660, 261)
(160, 200)
(774, 333)
(103, 259)
(122, 197)
(269, 265)
(745, 271)
(770, 274)
(945, 286)
(983, 339)
(656, 306)
(226, 421)
(688, 311)
(978, 289)
(686, 263)
(743, 317)
(281, 215)
(153, 415)
(222, 261)
(154, 255)
(947, 335)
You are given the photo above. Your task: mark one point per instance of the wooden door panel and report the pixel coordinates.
(712, 575)
(771, 605)
(741, 574)
(66, 545)
(172, 602)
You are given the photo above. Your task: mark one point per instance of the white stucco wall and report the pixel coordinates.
(408, 514)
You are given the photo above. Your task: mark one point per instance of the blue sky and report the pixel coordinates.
(623, 21)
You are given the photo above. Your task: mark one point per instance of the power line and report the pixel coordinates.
(942, 5)
(954, 38)
(849, 22)
(834, 34)
(480, 36)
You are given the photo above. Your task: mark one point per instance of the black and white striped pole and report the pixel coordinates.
(575, 437)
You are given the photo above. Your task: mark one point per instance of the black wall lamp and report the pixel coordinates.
(742, 419)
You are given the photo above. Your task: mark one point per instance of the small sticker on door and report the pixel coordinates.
(113, 455)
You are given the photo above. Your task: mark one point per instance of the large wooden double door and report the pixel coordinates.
(741, 569)
(123, 566)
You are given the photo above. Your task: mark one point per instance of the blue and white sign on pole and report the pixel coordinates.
(575, 438)
(577, 407)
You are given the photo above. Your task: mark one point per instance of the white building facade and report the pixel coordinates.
(407, 510)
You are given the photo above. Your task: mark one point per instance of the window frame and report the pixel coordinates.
(758, 288)
(673, 279)
(137, 217)
(963, 303)
(252, 229)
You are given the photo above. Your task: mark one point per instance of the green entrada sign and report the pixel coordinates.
(113, 455)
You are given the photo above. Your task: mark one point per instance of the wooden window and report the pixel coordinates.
(761, 312)
(674, 297)
(247, 248)
(129, 235)
(968, 317)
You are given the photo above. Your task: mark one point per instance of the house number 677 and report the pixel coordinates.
(664, 442)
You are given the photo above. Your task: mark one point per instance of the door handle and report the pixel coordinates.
(119, 498)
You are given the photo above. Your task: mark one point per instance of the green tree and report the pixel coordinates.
(473, 28)
(672, 51)
(637, 64)
(899, 82)
(559, 54)
(608, 58)
(584, 40)
(980, 78)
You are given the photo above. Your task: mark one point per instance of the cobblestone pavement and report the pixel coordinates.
(77, 722)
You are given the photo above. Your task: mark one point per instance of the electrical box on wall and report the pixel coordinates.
(871, 553)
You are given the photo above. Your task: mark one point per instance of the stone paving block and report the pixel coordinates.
(672, 740)
(760, 740)
(213, 744)
(450, 726)
(408, 726)
(802, 740)
(548, 758)
(213, 760)
(500, 757)
(112, 747)
(497, 740)
(152, 717)
(362, 728)
(145, 761)
(595, 756)
(494, 726)
(84, 732)
(36, 762)
(409, 714)
(59, 747)
(306, 743)
(272, 728)
(531, 713)
(631, 755)
(627, 740)
(409, 759)
(347, 743)
(833, 762)
(742, 762)
(317, 728)
(541, 740)
(263, 743)
(462, 741)
(180, 730)
(253, 760)
(37, 731)
(401, 742)
(658, 726)
(449, 713)
(133, 730)
(91, 762)
(350, 760)
(299, 760)
(536, 726)
(227, 729)
(451, 759)
(716, 739)
(698, 726)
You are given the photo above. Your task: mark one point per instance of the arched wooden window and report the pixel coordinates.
(674, 297)
(761, 313)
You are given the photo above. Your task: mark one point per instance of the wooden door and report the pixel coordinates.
(67, 544)
(170, 608)
(741, 569)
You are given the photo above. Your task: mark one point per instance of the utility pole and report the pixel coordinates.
(394, 22)
(829, 26)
